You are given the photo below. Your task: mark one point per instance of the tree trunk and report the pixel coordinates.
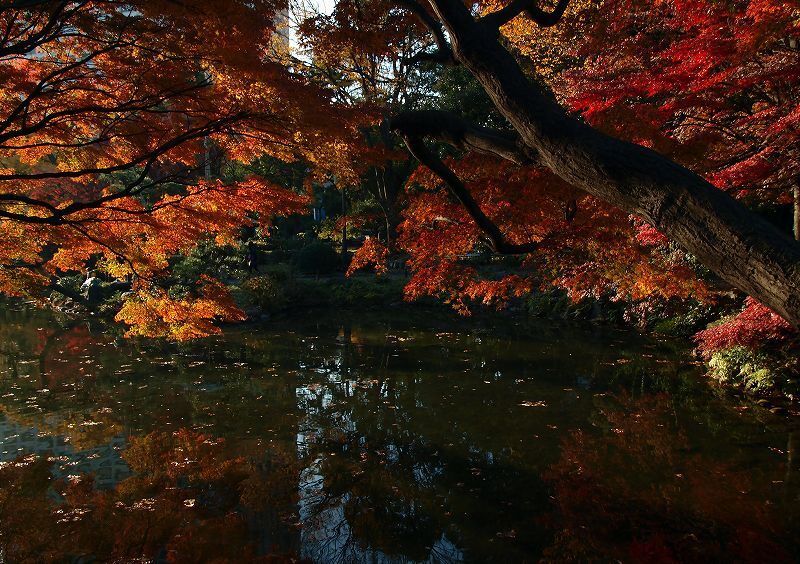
(736, 244)
(345, 260)
(207, 157)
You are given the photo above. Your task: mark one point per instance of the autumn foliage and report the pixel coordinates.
(598, 252)
(109, 115)
(755, 326)
(712, 84)
(371, 254)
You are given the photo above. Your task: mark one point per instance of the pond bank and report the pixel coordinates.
(767, 374)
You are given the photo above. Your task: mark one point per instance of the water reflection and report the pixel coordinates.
(641, 491)
(185, 492)
(351, 440)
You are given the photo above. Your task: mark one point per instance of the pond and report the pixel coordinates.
(381, 437)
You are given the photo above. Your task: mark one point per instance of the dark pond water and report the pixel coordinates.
(365, 438)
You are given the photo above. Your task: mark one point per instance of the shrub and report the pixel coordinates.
(265, 292)
(280, 272)
(317, 258)
(685, 324)
(755, 326)
(743, 367)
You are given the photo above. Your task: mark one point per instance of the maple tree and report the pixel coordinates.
(730, 118)
(107, 112)
(754, 326)
(713, 85)
(364, 53)
(737, 245)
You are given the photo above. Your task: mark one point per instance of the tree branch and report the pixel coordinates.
(438, 56)
(52, 27)
(497, 240)
(463, 134)
(741, 247)
(443, 54)
(212, 126)
(497, 19)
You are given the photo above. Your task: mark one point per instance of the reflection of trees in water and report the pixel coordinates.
(186, 502)
(383, 485)
(415, 445)
(351, 504)
(642, 492)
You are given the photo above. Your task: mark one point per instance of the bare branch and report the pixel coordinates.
(443, 54)
(438, 56)
(497, 240)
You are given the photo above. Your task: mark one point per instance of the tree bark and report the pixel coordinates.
(736, 244)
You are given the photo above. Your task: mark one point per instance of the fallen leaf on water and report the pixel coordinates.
(533, 404)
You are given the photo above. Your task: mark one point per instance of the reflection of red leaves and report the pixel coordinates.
(639, 492)
(146, 515)
(67, 350)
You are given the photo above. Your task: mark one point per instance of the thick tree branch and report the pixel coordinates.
(736, 244)
(463, 134)
(497, 19)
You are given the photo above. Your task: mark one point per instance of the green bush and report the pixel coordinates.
(556, 303)
(352, 292)
(367, 291)
(208, 259)
(685, 324)
(266, 293)
(317, 258)
(743, 367)
(280, 272)
(72, 282)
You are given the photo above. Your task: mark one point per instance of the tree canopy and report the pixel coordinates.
(617, 147)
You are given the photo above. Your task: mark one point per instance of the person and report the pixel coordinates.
(252, 257)
(92, 288)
